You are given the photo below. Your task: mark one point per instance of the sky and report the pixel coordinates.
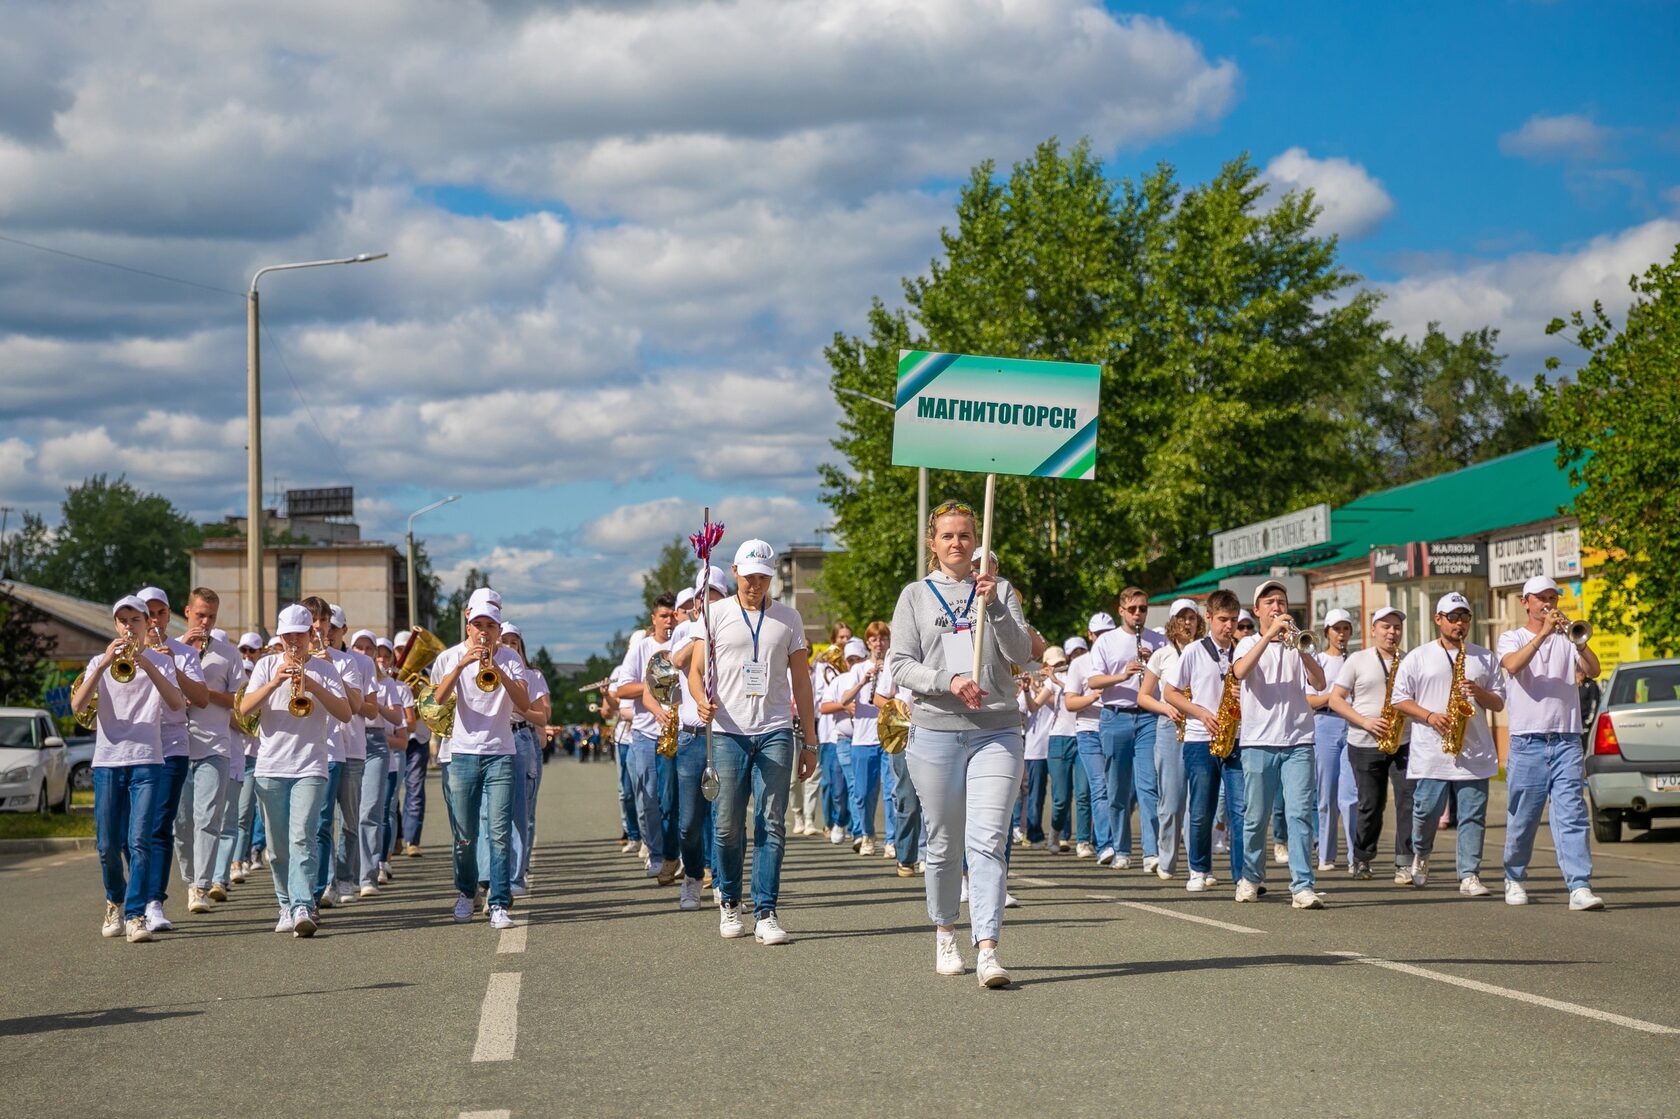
(621, 233)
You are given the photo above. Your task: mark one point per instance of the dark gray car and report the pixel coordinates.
(1633, 760)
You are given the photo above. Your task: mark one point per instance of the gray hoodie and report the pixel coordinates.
(917, 656)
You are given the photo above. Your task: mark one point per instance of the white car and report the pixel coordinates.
(34, 763)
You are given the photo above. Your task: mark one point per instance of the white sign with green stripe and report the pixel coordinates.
(996, 415)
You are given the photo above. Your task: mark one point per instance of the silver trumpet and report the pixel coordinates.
(1579, 633)
(1301, 640)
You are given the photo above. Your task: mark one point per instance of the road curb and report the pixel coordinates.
(48, 845)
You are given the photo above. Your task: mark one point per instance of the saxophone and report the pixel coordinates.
(1186, 723)
(1459, 710)
(1389, 743)
(1229, 716)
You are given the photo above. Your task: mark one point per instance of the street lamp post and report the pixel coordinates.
(921, 488)
(413, 601)
(253, 433)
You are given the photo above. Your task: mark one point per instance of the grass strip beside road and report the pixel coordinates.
(27, 825)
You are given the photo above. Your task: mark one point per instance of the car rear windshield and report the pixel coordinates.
(1657, 683)
(17, 730)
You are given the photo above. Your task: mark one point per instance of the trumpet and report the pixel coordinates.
(1579, 633)
(319, 648)
(300, 705)
(487, 678)
(125, 664)
(1301, 640)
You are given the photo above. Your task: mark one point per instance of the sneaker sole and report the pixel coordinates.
(303, 930)
(993, 982)
(732, 934)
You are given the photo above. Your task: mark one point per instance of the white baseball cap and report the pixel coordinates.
(1075, 642)
(1539, 584)
(1382, 612)
(361, 633)
(402, 637)
(219, 634)
(484, 609)
(856, 648)
(385, 643)
(1337, 617)
(684, 597)
(1180, 605)
(1244, 616)
(1053, 656)
(152, 594)
(335, 615)
(509, 627)
(1451, 601)
(252, 640)
(755, 557)
(275, 640)
(485, 594)
(1100, 623)
(294, 619)
(1268, 587)
(133, 602)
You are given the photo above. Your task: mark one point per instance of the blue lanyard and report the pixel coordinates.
(748, 623)
(956, 622)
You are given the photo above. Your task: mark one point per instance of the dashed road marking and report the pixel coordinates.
(498, 1021)
(504, 1113)
(1035, 881)
(1164, 912)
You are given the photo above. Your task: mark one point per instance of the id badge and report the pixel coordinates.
(958, 648)
(756, 676)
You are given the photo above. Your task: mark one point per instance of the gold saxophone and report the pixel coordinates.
(1229, 717)
(1389, 743)
(1459, 710)
(1186, 721)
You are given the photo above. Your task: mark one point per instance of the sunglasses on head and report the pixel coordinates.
(952, 507)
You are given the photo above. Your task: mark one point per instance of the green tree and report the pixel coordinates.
(428, 588)
(1614, 423)
(673, 571)
(112, 539)
(1437, 405)
(1226, 331)
(24, 650)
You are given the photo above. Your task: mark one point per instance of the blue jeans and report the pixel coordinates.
(1204, 775)
(644, 781)
(199, 828)
(693, 823)
(1538, 767)
(1029, 809)
(341, 849)
(393, 802)
(1471, 799)
(627, 795)
(908, 837)
(1128, 747)
(123, 821)
(1330, 735)
(843, 760)
(866, 787)
(1070, 792)
(470, 777)
(293, 807)
(228, 841)
(1271, 775)
(763, 764)
(1172, 792)
(836, 797)
(527, 772)
(889, 795)
(670, 826)
(1096, 776)
(370, 822)
(259, 829)
(414, 778)
(166, 802)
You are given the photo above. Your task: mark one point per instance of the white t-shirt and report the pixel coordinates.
(175, 733)
(209, 734)
(536, 687)
(483, 720)
(833, 692)
(1202, 674)
(128, 730)
(1332, 666)
(1037, 729)
(1086, 718)
(1365, 676)
(1062, 722)
(821, 674)
(634, 671)
(1275, 711)
(367, 679)
(1161, 662)
(866, 730)
(1543, 698)
(443, 750)
(294, 747)
(1112, 652)
(394, 693)
(1426, 678)
(743, 709)
(686, 634)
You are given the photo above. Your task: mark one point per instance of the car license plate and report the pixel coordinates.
(1666, 782)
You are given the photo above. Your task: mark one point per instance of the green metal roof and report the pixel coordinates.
(1515, 489)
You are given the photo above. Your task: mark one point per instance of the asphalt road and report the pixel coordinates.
(1132, 996)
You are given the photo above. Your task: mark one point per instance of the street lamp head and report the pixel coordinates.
(363, 258)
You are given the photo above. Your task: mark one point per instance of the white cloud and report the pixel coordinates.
(648, 525)
(1569, 136)
(1353, 202)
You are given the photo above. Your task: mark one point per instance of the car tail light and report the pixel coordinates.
(1604, 739)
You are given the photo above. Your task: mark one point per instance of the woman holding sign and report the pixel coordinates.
(965, 751)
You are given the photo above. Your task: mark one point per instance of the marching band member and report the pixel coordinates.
(291, 773)
(858, 690)
(1330, 735)
(1545, 758)
(828, 701)
(1085, 702)
(1036, 701)
(1277, 737)
(177, 750)
(335, 873)
(1359, 694)
(763, 672)
(965, 751)
(198, 829)
(369, 831)
(397, 697)
(1184, 625)
(239, 826)
(836, 806)
(416, 763)
(696, 840)
(647, 774)
(127, 763)
(1119, 659)
(1424, 692)
(1194, 687)
(1070, 791)
(481, 756)
(527, 724)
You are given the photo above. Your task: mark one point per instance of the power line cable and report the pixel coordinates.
(119, 267)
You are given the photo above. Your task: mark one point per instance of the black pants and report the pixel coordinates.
(1373, 773)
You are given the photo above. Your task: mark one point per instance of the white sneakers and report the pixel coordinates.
(1420, 871)
(1106, 857)
(836, 835)
(1306, 899)
(155, 920)
(236, 873)
(1247, 891)
(1280, 854)
(368, 891)
(689, 900)
(729, 922)
(1514, 892)
(867, 847)
(137, 931)
(218, 892)
(1583, 898)
(963, 897)
(768, 930)
(947, 960)
(463, 910)
(889, 851)
(1198, 882)
(1471, 887)
(1150, 862)
(285, 923)
(197, 900)
(519, 891)
(1122, 862)
(1020, 836)
(113, 925)
(1403, 876)
(1324, 866)
(1009, 901)
(499, 918)
(1084, 851)
(654, 866)
(989, 971)
(303, 922)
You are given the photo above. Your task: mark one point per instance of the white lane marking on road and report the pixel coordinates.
(498, 1022)
(1035, 881)
(504, 1113)
(1158, 910)
(513, 940)
(1508, 993)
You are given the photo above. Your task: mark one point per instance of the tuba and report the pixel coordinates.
(1389, 743)
(893, 725)
(423, 649)
(664, 685)
(1459, 710)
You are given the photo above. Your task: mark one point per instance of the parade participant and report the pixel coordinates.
(1036, 701)
(1330, 736)
(828, 701)
(763, 673)
(300, 698)
(696, 841)
(127, 762)
(1070, 789)
(966, 745)
(416, 763)
(805, 797)
(1358, 694)
(1119, 659)
(1086, 703)
(1194, 688)
(235, 852)
(394, 696)
(527, 723)
(337, 870)
(863, 684)
(1423, 693)
(1545, 759)
(369, 830)
(836, 805)
(481, 756)
(1277, 744)
(177, 751)
(647, 775)
(1184, 625)
(198, 826)
(621, 731)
